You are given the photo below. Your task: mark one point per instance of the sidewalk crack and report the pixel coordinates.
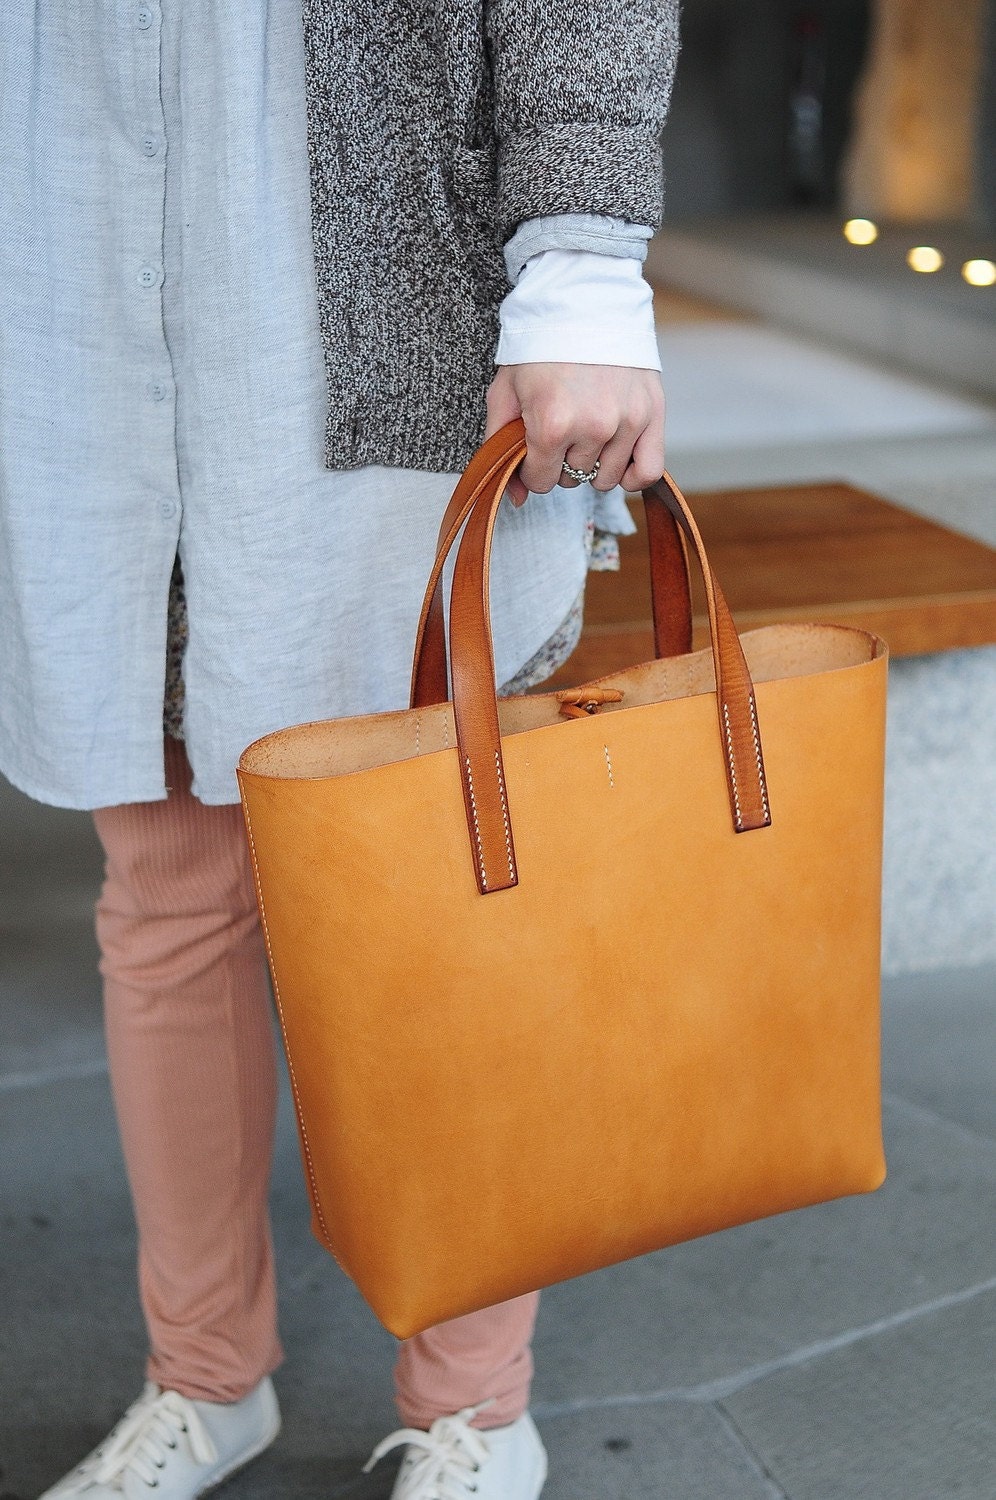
(928, 1116)
(753, 1459)
(713, 1391)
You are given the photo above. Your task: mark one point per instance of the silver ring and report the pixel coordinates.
(579, 474)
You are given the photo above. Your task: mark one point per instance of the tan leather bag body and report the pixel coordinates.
(567, 978)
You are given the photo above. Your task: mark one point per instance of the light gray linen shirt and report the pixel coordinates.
(162, 386)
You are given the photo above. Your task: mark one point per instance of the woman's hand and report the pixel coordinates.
(577, 414)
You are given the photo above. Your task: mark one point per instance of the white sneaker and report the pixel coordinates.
(453, 1460)
(178, 1447)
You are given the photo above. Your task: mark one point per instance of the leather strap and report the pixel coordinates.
(475, 701)
(430, 679)
(735, 700)
(474, 697)
(670, 586)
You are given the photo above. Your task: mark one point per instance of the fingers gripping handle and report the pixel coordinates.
(669, 581)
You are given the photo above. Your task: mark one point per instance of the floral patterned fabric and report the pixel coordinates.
(177, 630)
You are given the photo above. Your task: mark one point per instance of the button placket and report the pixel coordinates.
(156, 389)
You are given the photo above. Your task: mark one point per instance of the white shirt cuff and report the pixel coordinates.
(579, 307)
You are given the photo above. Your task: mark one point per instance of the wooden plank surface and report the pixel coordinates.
(826, 552)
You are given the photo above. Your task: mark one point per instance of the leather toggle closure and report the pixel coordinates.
(578, 703)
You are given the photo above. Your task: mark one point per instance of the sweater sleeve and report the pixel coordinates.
(582, 89)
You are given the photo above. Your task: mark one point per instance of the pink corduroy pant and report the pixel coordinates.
(190, 1045)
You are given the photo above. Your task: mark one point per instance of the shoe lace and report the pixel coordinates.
(145, 1436)
(442, 1464)
(85, 1468)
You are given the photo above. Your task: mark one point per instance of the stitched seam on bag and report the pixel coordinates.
(608, 762)
(446, 731)
(760, 765)
(477, 826)
(504, 813)
(290, 1062)
(418, 735)
(733, 769)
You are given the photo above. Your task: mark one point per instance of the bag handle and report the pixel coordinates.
(430, 678)
(670, 585)
(475, 701)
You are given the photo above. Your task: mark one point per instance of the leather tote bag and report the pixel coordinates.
(565, 978)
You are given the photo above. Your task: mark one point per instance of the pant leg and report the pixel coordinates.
(190, 1046)
(465, 1361)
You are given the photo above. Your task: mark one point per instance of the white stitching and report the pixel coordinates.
(290, 1061)
(477, 826)
(446, 731)
(504, 813)
(733, 769)
(608, 762)
(418, 742)
(760, 766)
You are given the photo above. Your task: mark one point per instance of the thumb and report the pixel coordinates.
(503, 407)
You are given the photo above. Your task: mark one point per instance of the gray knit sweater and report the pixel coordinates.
(435, 127)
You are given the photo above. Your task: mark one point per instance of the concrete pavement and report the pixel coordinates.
(840, 1353)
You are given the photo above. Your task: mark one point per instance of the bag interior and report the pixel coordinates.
(338, 747)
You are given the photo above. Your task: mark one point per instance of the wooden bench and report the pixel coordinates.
(823, 552)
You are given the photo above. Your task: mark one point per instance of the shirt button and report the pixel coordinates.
(151, 144)
(159, 390)
(148, 276)
(167, 509)
(144, 17)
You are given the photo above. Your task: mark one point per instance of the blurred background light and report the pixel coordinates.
(861, 231)
(979, 272)
(925, 258)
